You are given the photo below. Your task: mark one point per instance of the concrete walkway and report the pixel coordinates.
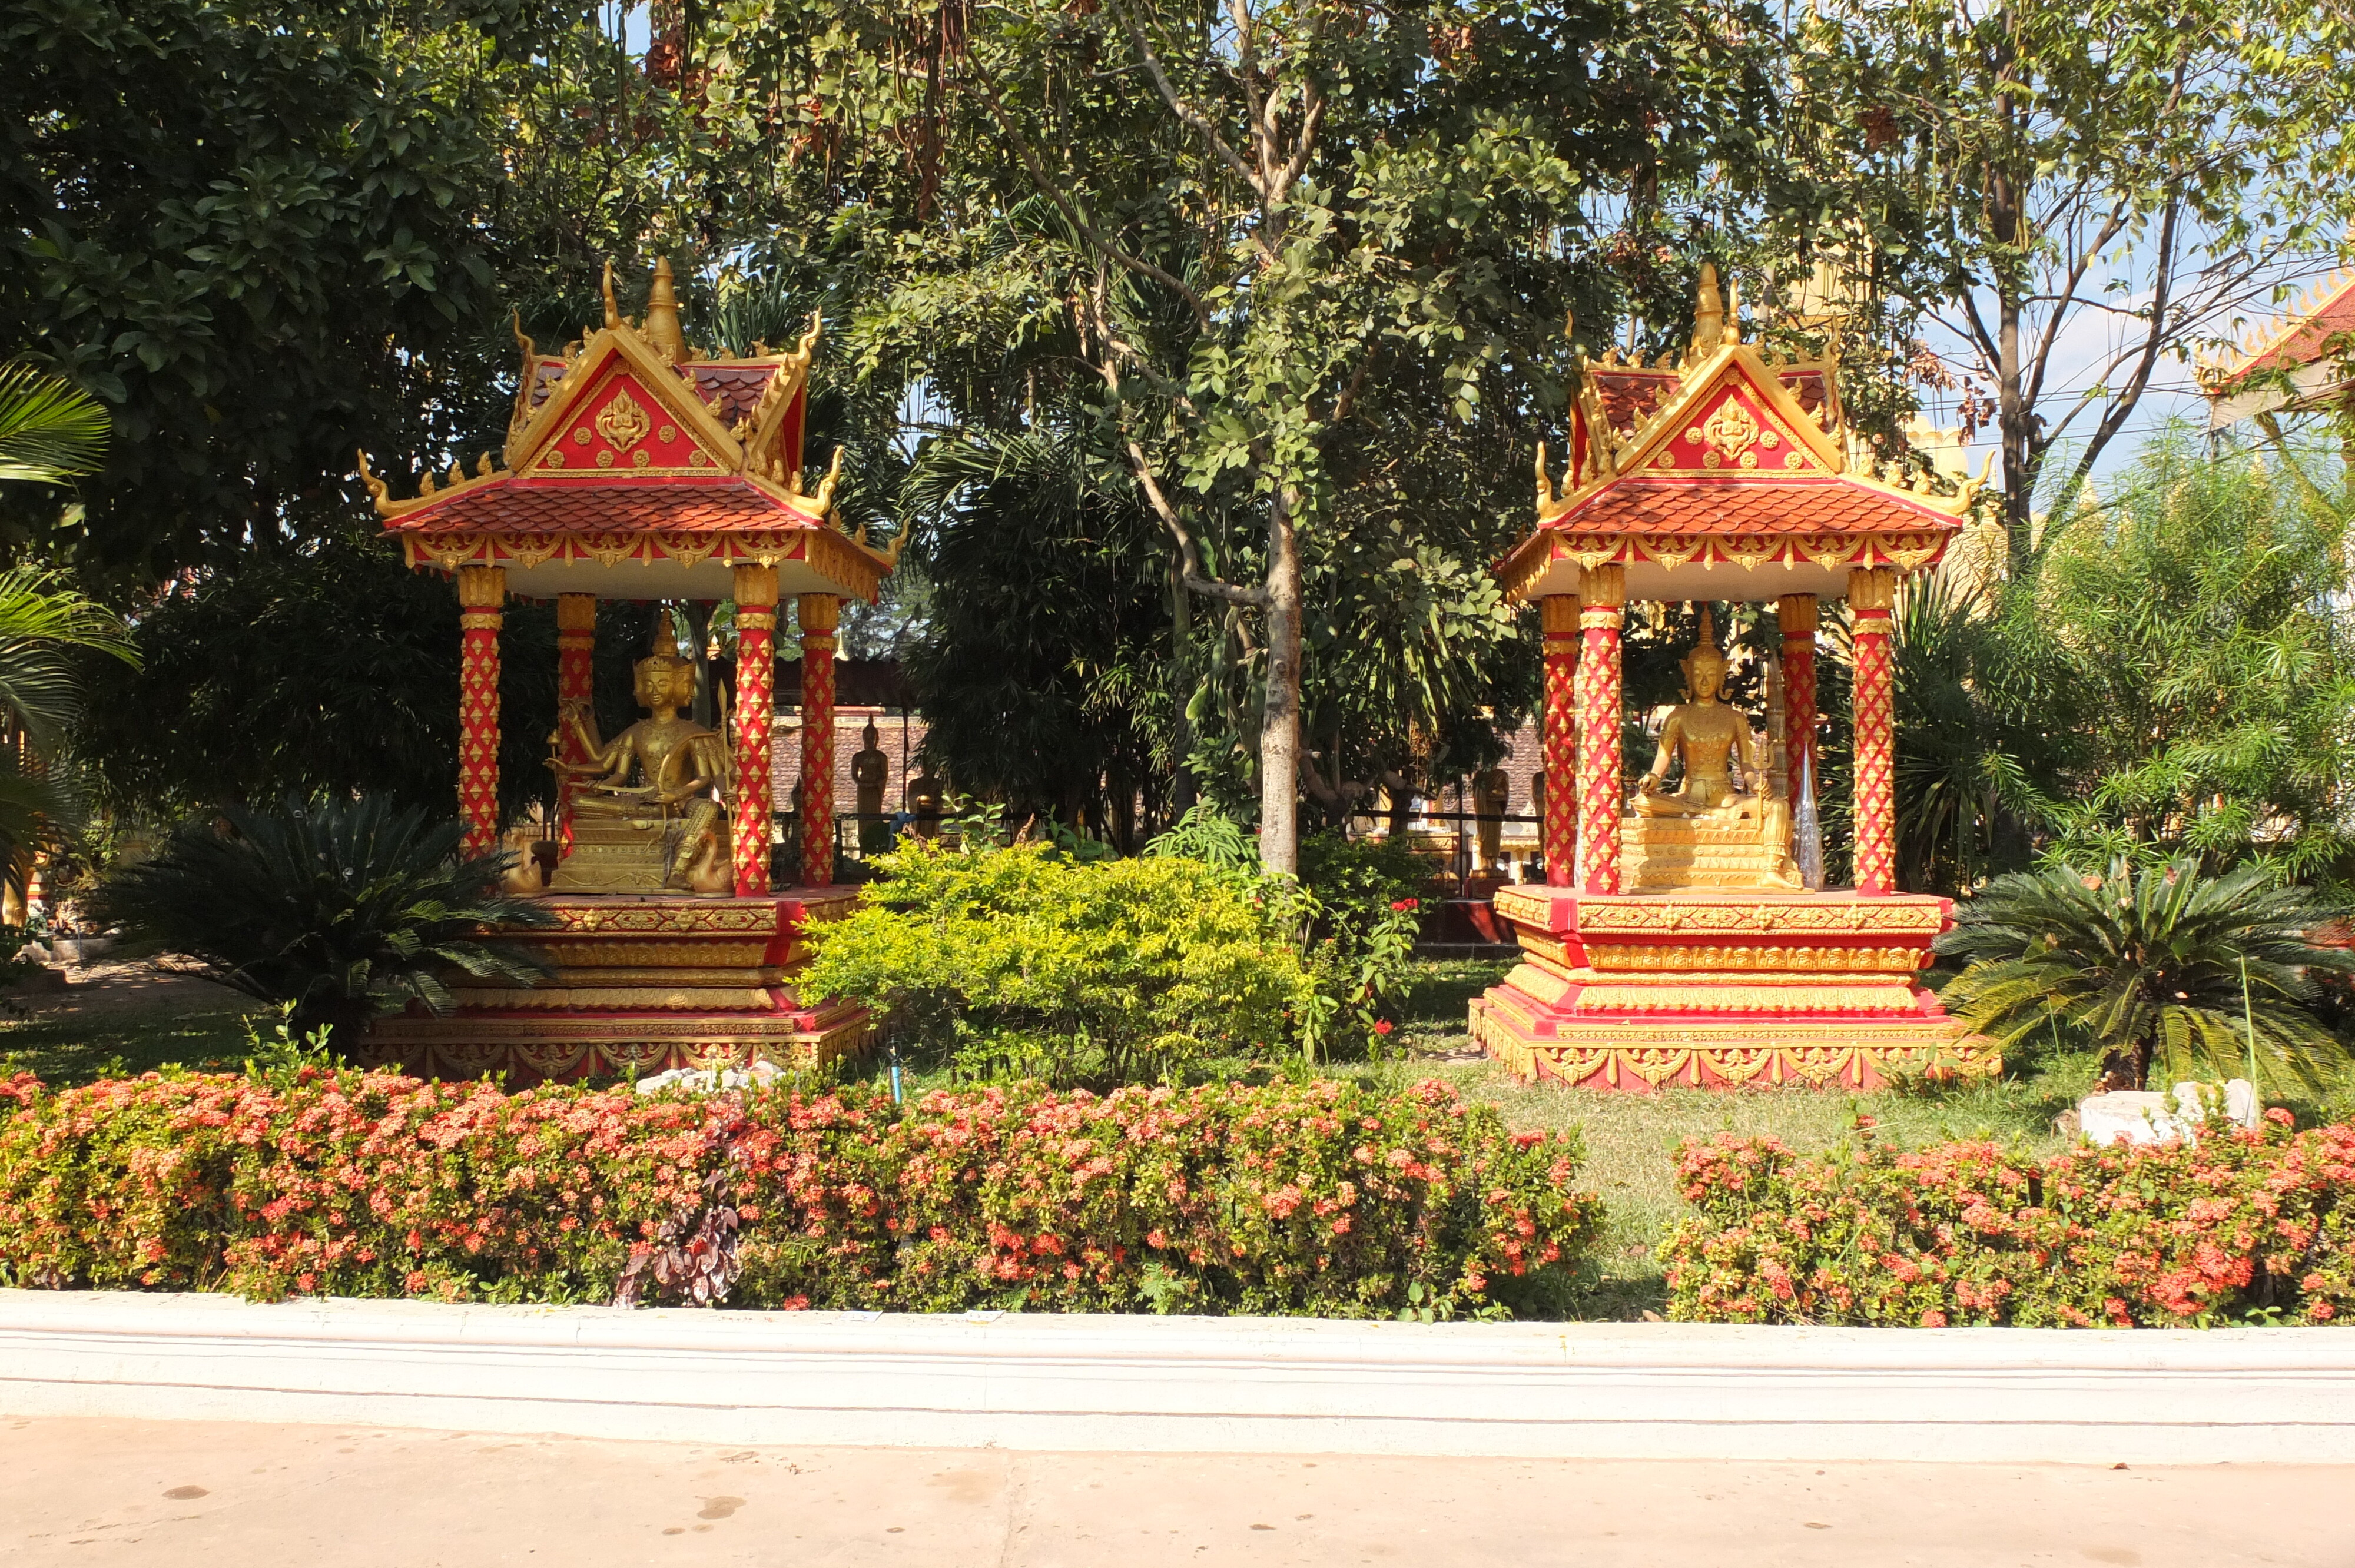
(88, 1492)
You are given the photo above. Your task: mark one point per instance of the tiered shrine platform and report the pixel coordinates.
(1720, 988)
(641, 984)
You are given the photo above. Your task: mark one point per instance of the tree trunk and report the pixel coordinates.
(1181, 733)
(2014, 415)
(1279, 736)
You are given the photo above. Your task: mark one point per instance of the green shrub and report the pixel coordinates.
(342, 909)
(1308, 1198)
(2231, 1227)
(1018, 960)
(2154, 964)
(1364, 898)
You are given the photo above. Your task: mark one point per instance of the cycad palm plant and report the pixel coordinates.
(2154, 961)
(50, 431)
(343, 909)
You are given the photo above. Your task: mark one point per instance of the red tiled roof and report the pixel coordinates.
(738, 385)
(1631, 396)
(1822, 505)
(539, 506)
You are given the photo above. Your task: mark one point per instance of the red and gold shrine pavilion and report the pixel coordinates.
(2298, 363)
(636, 468)
(1677, 940)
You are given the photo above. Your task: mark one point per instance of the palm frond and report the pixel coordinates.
(341, 908)
(50, 429)
(2158, 962)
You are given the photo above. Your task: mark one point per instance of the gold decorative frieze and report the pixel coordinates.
(1698, 958)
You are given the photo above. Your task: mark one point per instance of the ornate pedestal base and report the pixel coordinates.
(1718, 989)
(642, 984)
(1661, 854)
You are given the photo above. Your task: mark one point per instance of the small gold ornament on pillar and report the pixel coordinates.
(482, 597)
(1558, 830)
(756, 684)
(1871, 594)
(1599, 767)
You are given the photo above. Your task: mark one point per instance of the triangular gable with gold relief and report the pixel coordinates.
(1731, 420)
(623, 411)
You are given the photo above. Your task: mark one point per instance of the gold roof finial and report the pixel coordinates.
(1708, 313)
(661, 327)
(612, 310)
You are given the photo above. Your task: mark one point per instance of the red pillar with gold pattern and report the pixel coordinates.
(1872, 591)
(820, 614)
(1559, 729)
(1598, 729)
(756, 708)
(576, 684)
(1797, 612)
(481, 599)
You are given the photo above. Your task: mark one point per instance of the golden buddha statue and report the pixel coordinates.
(1490, 790)
(648, 806)
(928, 800)
(1707, 833)
(870, 770)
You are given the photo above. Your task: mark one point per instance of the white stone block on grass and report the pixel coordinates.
(2149, 1117)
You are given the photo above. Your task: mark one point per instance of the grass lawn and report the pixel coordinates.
(127, 1040)
(1631, 1139)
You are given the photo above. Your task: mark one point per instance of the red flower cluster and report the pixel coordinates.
(2235, 1226)
(1289, 1198)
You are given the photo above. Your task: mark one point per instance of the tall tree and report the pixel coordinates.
(1280, 245)
(263, 233)
(2055, 181)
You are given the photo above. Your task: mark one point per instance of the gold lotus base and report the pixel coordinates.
(1666, 853)
(641, 984)
(1722, 988)
(624, 855)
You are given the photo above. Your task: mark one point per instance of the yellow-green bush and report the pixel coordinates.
(1017, 960)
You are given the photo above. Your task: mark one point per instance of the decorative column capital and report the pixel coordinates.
(821, 613)
(1796, 614)
(482, 588)
(1558, 614)
(576, 613)
(1871, 590)
(756, 587)
(1606, 588)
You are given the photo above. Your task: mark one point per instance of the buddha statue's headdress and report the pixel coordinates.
(665, 654)
(1705, 650)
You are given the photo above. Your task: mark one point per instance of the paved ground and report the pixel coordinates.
(112, 985)
(117, 1491)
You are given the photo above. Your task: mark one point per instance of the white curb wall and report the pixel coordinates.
(1192, 1385)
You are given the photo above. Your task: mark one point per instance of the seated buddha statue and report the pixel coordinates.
(647, 806)
(1707, 833)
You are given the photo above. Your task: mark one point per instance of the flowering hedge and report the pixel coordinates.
(1311, 1198)
(2233, 1227)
